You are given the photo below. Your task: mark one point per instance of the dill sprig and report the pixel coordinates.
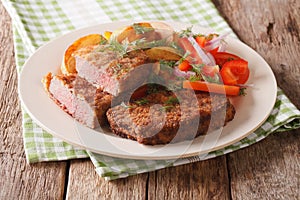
(141, 29)
(215, 79)
(194, 78)
(197, 68)
(142, 101)
(243, 92)
(172, 100)
(186, 33)
(166, 108)
(126, 106)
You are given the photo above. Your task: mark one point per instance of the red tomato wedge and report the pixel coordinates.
(235, 72)
(184, 66)
(223, 57)
(201, 40)
(212, 87)
(214, 51)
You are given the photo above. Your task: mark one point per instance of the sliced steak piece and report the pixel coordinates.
(170, 122)
(107, 70)
(78, 98)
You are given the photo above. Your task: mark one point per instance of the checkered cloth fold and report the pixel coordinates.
(36, 22)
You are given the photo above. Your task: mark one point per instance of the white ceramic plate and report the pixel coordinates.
(251, 110)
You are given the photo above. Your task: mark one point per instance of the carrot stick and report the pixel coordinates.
(212, 87)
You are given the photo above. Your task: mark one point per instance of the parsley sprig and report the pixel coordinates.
(186, 33)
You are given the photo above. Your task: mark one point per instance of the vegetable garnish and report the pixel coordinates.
(184, 65)
(201, 55)
(189, 60)
(172, 100)
(201, 40)
(235, 72)
(107, 34)
(210, 70)
(186, 33)
(142, 28)
(186, 45)
(223, 57)
(212, 87)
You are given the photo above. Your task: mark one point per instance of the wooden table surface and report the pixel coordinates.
(269, 169)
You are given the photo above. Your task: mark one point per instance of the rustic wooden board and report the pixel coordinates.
(18, 179)
(84, 183)
(270, 168)
(201, 180)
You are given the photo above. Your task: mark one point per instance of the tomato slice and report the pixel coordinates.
(214, 51)
(201, 40)
(235, 72)
(223, 57)
(184, 66)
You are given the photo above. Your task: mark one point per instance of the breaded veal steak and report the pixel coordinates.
(78, 98)
(161, 117)
(109, 71)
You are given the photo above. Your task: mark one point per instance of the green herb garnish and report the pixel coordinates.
(172, 100)
(166, 108)
(126, 106)
(187, 53)
(166, 64)
(194, 78)
(117, 47)
(197, 68)
(186, 33)
(152, 88)
(215, 79)
(243, 92)
(175, 45)
(142, 101)
(141, 29)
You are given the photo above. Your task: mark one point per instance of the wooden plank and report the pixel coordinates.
(84, 183)
(202, 180)
(269, 169)
(18, 179)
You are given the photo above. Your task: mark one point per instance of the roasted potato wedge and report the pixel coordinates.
(164, 30)
(68, 64)
(134, 32)
(163, 53)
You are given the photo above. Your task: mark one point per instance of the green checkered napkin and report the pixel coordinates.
(35, 22)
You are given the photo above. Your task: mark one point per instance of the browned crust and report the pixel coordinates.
(170, 129)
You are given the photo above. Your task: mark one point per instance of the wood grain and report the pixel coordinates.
(18, 179)
(84, 183)
(269, 169)
(201, 180)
